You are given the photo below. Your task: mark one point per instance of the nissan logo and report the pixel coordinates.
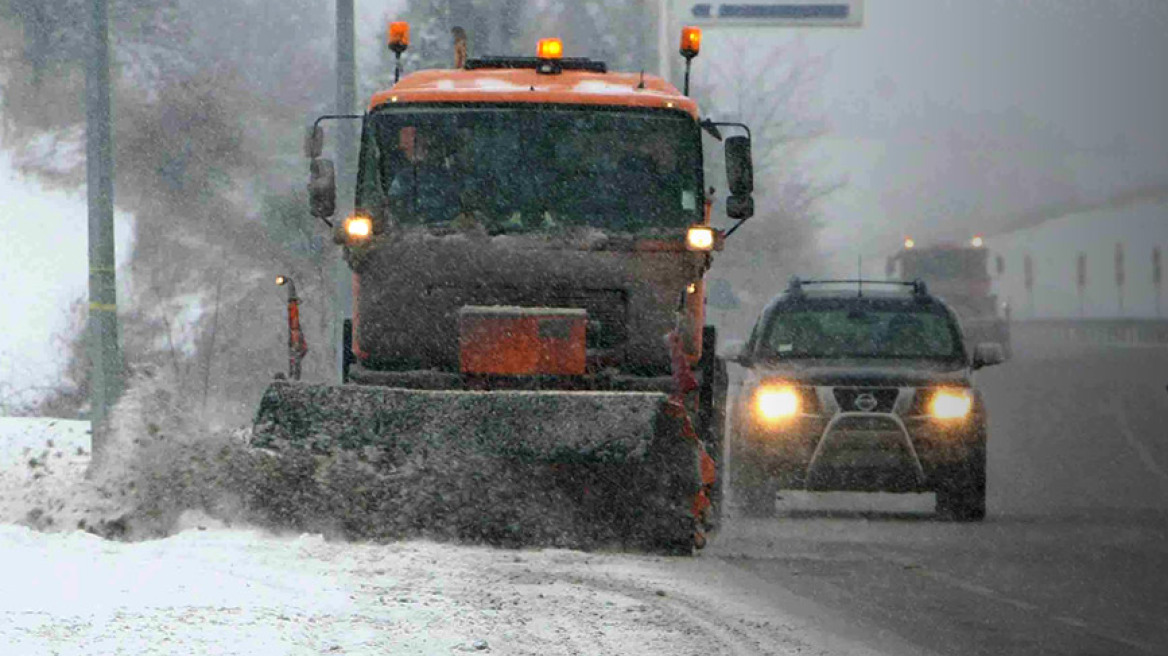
(866, 402)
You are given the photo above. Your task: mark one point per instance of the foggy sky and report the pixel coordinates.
(944, 117)
(952, 117)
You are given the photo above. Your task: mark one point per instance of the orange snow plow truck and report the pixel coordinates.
(528, 250)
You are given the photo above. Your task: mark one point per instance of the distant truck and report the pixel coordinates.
(959, 274)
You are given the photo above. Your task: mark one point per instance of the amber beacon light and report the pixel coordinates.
(691, 42)
(550, 49)
(399, 36)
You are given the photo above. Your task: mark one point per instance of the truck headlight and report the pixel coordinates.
(700, 238)
(951, 404)
(772, 403)
(358, 228)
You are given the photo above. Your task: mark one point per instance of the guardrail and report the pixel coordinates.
(1090, 332)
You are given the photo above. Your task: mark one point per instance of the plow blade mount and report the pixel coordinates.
(513, 468)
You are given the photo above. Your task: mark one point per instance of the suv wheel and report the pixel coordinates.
(961, 490)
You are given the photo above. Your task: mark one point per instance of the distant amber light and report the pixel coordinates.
(550, 49)
(691, 41)
(909, 243)
(977, 242)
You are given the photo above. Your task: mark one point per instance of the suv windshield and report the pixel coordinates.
(525, 169)
(843, 331)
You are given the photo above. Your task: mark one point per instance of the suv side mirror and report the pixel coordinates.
(322, 188)
(740, 177)
(988, 354)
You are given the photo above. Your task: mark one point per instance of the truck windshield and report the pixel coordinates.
(843, 332)
(531, 169)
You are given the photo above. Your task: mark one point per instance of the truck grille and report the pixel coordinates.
(607, 308)
(847, 397)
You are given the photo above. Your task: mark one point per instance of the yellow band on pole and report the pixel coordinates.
(104, 307)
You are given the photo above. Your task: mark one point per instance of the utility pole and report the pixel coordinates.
(664, 25)
(346, 170)
(104, 356)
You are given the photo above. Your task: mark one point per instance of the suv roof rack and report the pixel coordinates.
(541, 65)
(795, 285)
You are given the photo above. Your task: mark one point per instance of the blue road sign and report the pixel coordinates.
(845, 13)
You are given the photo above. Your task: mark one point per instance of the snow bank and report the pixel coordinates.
(42, 476)
(213, 589)
(223, 591)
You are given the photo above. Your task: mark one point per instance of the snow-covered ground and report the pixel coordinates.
(216, 589)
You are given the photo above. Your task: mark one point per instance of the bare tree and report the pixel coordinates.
(774, 94)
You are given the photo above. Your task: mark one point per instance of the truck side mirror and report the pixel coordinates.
(314, 142)
(739, 166)
(322, 188)
(739, 207)
(740, 176)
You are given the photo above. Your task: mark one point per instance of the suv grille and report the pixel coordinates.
(849, 398)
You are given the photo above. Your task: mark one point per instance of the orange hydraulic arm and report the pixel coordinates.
(297, 346)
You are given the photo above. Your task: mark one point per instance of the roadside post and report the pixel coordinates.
(1157, 277)
(1081, 278)
(1119, 275)
(1028, 279)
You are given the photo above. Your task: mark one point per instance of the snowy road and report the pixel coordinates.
(1070, 561)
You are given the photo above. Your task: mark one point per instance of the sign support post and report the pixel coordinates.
(346, 172)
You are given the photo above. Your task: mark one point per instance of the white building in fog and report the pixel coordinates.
(1138, 226)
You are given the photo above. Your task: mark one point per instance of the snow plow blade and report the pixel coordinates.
(513, 468)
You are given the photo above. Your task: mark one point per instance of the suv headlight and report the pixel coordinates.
(776, 402)
(951, 404)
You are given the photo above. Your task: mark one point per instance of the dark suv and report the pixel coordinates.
(860, 386)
